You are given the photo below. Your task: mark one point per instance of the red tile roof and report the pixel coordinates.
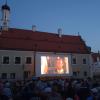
(94, 56)
(19, 39)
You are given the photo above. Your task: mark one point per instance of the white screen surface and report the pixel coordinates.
(53, 65)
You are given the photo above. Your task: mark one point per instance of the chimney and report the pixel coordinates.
(33, 28)
(98, 59)
(98, 52)
(60, 32)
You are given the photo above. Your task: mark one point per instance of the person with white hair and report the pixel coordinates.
(69, 98)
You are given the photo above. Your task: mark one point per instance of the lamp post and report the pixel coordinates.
(34, 72)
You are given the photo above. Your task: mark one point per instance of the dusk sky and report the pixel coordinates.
(72, 16)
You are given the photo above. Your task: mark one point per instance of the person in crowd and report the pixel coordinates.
(53, 93)
(7, 92)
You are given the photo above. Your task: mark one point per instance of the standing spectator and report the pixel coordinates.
(7, 91)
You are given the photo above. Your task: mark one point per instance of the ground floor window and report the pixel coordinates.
(74, 73)
(4, 75)
(12, 75)
(26, 74)
(85, 73)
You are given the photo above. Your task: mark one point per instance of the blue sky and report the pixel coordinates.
(72, 16)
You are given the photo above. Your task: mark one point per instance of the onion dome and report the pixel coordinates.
(6, 7)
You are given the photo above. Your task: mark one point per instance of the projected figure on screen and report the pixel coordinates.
(59, 65)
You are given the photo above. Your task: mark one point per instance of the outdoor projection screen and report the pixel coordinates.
(52, 64)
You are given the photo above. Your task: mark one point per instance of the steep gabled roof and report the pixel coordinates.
(19, 39)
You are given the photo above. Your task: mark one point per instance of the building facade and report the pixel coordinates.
(25, 53)
(19, 51)
(96, 64)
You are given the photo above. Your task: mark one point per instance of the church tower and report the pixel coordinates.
(5, 16)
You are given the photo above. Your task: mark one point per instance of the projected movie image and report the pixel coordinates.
(54, 65)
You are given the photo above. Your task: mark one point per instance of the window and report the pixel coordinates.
(84, 60)
(74, 73)
(12, 75)
(78, 72)
(6, 60)
(73, 60)
(85, 73)
(28, 60)
(17, 60)
(26, 74)
(4, 76)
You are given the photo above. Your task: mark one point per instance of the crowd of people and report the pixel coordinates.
(56, 89)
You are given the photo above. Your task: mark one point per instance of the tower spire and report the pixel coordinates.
(5, 16)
